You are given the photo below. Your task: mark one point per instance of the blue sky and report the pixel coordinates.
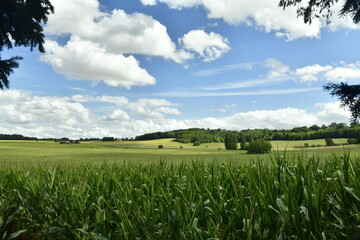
(124, 68)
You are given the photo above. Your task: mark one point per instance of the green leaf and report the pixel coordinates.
(16, 234)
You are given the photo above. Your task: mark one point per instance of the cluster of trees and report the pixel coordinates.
(259, 146)
(192, 135)
(334, 130)
(15, 137)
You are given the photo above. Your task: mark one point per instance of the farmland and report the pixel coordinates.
(144, 152)
(133, 190)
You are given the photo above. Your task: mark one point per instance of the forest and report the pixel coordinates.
(333, 130)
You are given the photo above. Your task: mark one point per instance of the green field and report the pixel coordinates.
(133, 190)
(133, 152)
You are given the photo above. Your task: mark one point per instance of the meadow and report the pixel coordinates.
(133, 190)
(144, 152)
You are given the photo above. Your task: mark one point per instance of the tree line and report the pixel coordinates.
(15, 137)
(192, 135)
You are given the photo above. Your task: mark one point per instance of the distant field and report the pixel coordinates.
(134, 152)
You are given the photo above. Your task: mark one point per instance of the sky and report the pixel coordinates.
(125, 68)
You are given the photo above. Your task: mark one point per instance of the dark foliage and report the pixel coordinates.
(21, 25)
(15, 137)
(333, 130)
(108, 139)
(231, 141)
(349, 95)
(259, 146)
(329, 142)
(323, 8)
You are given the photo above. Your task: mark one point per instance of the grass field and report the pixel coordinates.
(292, 197)
(143, 151)
(133, 190)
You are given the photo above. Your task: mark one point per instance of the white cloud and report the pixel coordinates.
(168, 110)
(265, 15)
(331, 112)
(343, 73)
(341, 22)
(278, 69)
(213, 71)
(143, 107)
(175, 4)
(248, 93)
(262, 14)
(209, 46)
(118, 115)
(316, 72)
(84, 60)
(117, 100)
(309, 73)
(117, 31)
(153, 102)
(45, 116)
(244, 84)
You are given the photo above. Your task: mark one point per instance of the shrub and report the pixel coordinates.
(306, 145)
(329, 142)
(353, 141)
(181, 146)
(108, 139)
(196, 143)
(259, 146)
(160, 146)
(64, 142)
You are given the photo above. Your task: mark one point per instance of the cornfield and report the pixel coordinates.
(285, 197)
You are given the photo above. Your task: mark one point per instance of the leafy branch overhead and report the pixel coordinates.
(349, 95)
(21, 25)
(323, 8)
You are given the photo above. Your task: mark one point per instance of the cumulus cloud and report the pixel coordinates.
(45, 116)
(343, 73)
(341, 22)
(99, 40)
(117, 115)
(316, 72)
(143, 107)
(85, 60)
(117, 31)
(310, 73)
(263, 14)
(209, 46)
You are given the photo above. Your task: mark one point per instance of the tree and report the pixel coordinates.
(259, 146)
(242, 140)
(20, 25)
(231, 141)
(323, 8)
(349, 95)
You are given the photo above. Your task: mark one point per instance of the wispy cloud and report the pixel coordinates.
(213, 71)
(246, 84)
(80, 89)
(220, 94)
